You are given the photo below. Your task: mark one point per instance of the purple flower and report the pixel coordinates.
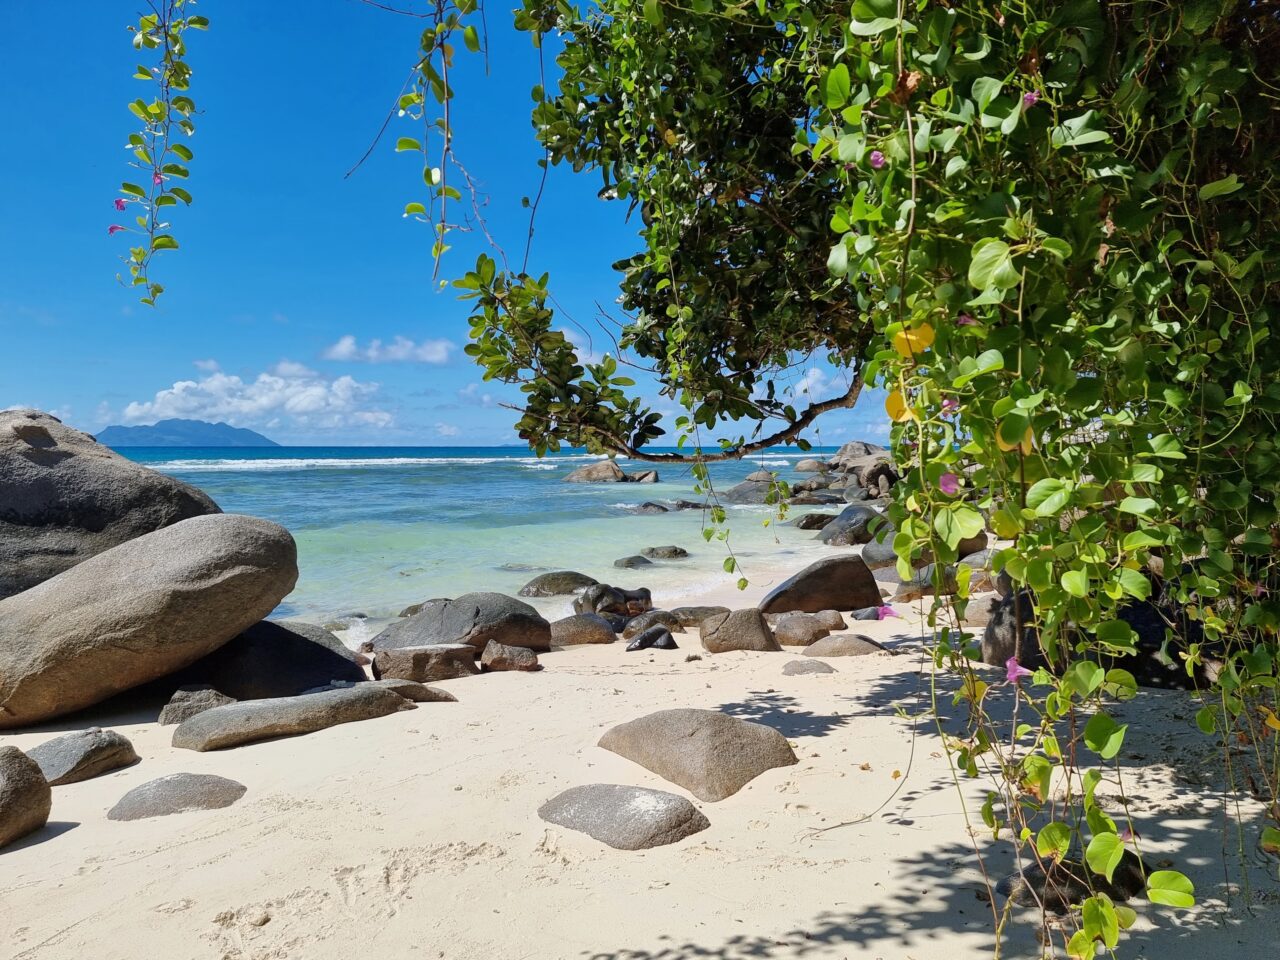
(1031, 98)
(114, 229)
(157, 178)
(966, 320)
(885, 612)
(119, 203)
(950, 405)
(949, 484)
(1015, 671)
(877, 159)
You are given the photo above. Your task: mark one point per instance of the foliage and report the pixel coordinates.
(157, 154)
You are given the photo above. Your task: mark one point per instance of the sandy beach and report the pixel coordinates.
(417, 834)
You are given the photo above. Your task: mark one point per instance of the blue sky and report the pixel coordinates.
(301, 304)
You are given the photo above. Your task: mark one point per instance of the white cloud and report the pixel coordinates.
(470, 394)
(446, 430)
(399, 350)
(208, 366)
(288, 393)
(813, 383)
(582, 345)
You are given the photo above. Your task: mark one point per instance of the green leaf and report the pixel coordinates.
(1134, 583)
(1142, 506)
(986, 89)
(182, 150)
(1220, 188)
(992, 265)
(873, 28)
(1099, 918)
(653, 12)
(410, 209)
(1103, 854)
(837, 86)
(164, 242)
(1047, 497)
(133, 190)
(407, 143)
(1053, 840)
(1078, 132)
(471, 38)
(1170, 888)
(958, 522)
(1076, 583)
(1117, 634)
(1104, 736)
(181, 194)
(1270, 840)
(1206, 720)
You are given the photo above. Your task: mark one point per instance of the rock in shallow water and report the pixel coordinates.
(138, 612)
(64, 497)
(669, 552)
(82, 755)
(442, 661)
(240, 723)
(633, 562)
(625, 818)
(711, 755)
(177, 793)
(557, 584)
(473, 618)
(25, 797)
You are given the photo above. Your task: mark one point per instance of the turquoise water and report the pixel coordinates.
(380, 528)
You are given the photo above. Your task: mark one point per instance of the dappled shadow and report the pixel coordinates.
(783, 712)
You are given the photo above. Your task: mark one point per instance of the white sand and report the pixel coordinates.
(416, 835)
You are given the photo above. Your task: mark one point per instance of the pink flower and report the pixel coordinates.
(885, 612)
(1015, 671)
(114, 229)
(1031, 98)
(877, 159)
(949, 484)
(119, 203)
(950, 405)
(157, 178)
(1128, 835)
(965, 320)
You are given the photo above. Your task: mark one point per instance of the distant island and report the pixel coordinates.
(183, 433)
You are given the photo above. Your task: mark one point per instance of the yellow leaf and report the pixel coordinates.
(1271, 720)
(1026, 444)
(897, 774)
(896, 406)
(913, 341)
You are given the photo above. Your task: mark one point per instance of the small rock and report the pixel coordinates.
(498, 656)
(796, 668)
(441, 661)
(187, 701)
(648, 619)
(25, 797)
(557, 584)
(831, 619)
(711, 755)
(811, 466)
(605, 471)
(760, 476)
(813, 521)
(688, 505)
(856, 524)
(738, 630)
(798, 630)
(581, 628)
(848, 645)
(644, 476)
(82, 755)
(650, 507)
(1067, 883)
(866, 613)
(177, 793)
(625, 818)
(657, 636)
(691, 617)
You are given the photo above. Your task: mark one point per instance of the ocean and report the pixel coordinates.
(379, 528)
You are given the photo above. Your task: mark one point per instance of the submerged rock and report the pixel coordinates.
(138, 612)
(625, 818)
(711, 755)
(177, 793)
(605, 471)
(630, 563)
(556, 584)
(25, 797)
(668, 552)
(64, 498)
(239, 723)
(82, 755)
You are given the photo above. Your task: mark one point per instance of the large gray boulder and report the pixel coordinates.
(626, 818)
(855, 524)
(64, 497)
(138, 612)
(82, 755)
(557, 584)
(738, 630)
(276, 658)
(711, 755)
(581, 628)
(835, 583)
(605, 471)
(25, 797)
(239, 723)
(473, 618)
(177, 793)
